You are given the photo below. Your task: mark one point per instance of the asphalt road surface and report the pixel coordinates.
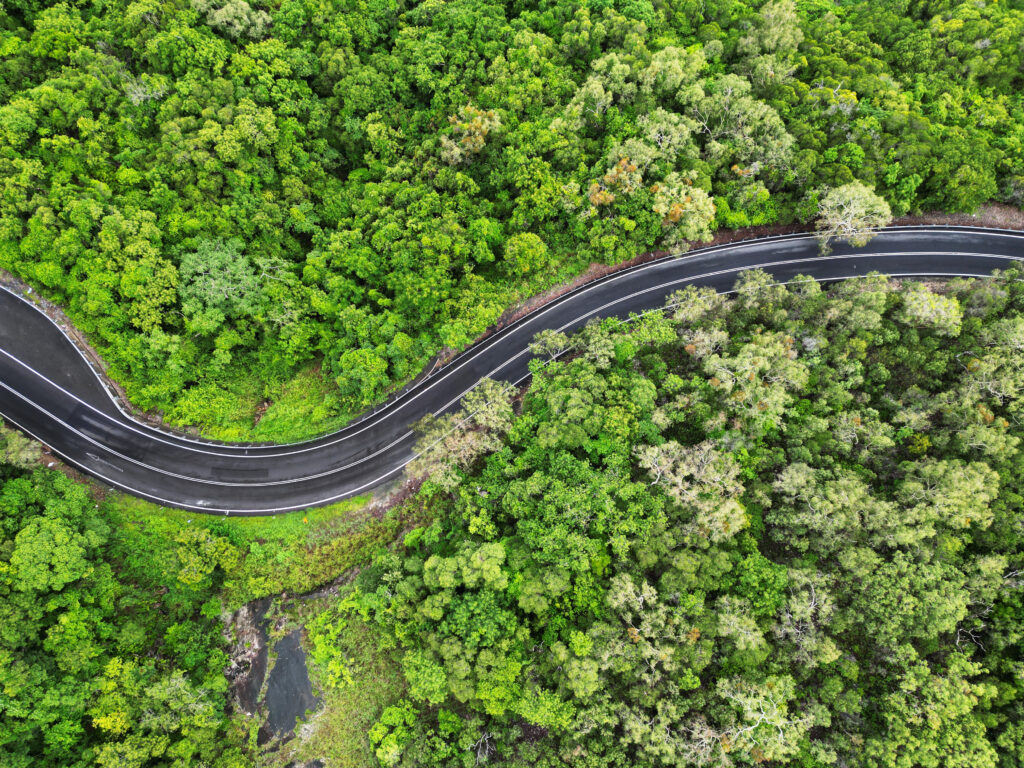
(49, 390)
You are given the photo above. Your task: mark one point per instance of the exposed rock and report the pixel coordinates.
(248, 654)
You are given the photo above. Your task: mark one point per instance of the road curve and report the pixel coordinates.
(49, 390)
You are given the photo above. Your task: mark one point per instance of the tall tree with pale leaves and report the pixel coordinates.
(851, 212)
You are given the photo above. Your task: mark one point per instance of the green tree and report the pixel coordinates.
(851, 212)
(17, 449)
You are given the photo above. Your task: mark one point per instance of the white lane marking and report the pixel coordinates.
(250, 483)
(518, 324)
(401, 400)
(408, 433)
(455, 364)
(659, 288)
(157, 436)
(405, 435)
(731, 270)
(94, 457)
(201, 504)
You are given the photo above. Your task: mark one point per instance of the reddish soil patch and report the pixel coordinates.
(992, 215)
(398, 496)
(995, 215)
(49, 460)
(596, 271)
(261, 411)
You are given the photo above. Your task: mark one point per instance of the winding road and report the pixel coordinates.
(49, 390)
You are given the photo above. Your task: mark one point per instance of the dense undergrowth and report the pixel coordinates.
(226, 194)
(112, 642)
(106, 657)
(780, 529)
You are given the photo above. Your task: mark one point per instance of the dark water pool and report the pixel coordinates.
(289, 691)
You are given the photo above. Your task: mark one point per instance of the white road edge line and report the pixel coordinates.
(160, 437)
(372, 483)
(521, 322)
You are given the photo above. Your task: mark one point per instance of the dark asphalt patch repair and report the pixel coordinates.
(289, 690)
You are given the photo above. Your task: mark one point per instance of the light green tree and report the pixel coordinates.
(687, 211)
(48, 555)
(17, 449)
(926, 309)
(218, 282)
(851, 212)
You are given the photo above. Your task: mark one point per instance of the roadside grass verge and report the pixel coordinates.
(291, 553)
(238, 407)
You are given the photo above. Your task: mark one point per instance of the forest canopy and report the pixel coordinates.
(781, 528)
(784, 528)
(228, 191)
(110, 652)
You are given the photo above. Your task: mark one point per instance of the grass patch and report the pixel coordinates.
(304, 407)
(294, 552)
(219, 410)
(298, 408)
